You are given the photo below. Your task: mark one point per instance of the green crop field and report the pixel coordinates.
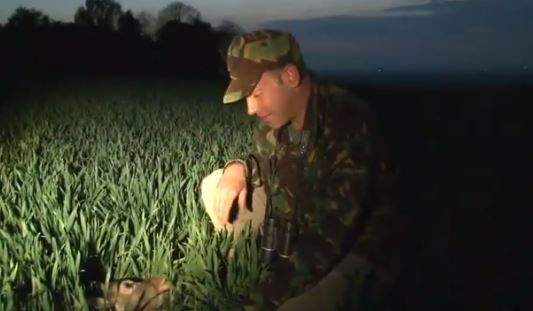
(100, 180)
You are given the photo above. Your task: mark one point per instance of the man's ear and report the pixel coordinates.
(291, 76)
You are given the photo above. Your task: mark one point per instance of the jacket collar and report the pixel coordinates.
(312, 117)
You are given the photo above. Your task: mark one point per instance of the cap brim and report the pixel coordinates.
(241, 88)
(236, 91)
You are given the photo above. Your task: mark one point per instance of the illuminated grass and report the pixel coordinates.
(111, 172)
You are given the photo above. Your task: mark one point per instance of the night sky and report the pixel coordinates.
(370, 35)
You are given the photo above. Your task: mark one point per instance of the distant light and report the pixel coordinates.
(380, 70)
(526, 67)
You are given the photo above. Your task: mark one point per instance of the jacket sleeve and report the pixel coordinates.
(340, 201)
(361, 195)
(356, 210)
(345, 213)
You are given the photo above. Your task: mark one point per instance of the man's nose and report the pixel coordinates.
(251, 104)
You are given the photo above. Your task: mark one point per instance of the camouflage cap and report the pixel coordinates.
(251, 54)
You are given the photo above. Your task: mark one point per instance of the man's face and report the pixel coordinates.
(270, 100)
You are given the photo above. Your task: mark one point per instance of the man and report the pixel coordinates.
(315, 172)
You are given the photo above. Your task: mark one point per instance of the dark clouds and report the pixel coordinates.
(486, 35)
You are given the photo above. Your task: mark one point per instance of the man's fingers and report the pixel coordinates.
(216, 208)
(242, 198)
(227, 191)
(220, 196)
(227, 202)
(219, 204)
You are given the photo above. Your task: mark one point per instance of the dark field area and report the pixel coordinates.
(464, 154)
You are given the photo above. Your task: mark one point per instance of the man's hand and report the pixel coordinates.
(232, 184)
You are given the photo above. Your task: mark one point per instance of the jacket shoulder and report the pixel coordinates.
(343, 109)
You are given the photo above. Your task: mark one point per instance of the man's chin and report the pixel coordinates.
(278, 125)
(273, 123)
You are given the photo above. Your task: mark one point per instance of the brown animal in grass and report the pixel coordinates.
(136, 294)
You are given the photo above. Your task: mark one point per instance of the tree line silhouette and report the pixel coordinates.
(105, 39)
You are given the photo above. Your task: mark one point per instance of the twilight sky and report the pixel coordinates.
(245, 12)
(364, 35)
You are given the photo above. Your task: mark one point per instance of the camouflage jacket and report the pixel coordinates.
(328, 179)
